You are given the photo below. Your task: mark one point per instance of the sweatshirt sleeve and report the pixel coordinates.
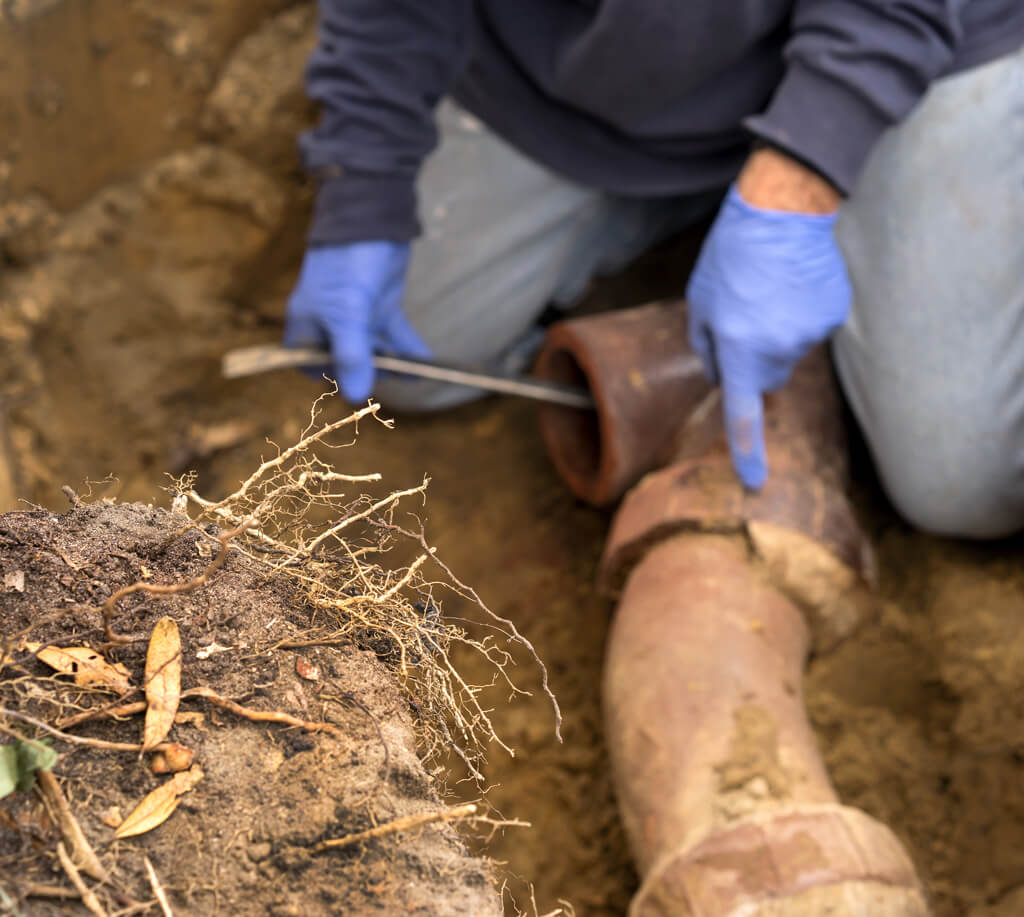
(378, 71)
(853, 68)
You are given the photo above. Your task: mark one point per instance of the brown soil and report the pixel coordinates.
(174, 233)
(242, 840)
(920, 717)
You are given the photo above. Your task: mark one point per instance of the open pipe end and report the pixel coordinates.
(576, 439)
(644, 381)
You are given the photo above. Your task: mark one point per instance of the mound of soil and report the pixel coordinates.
(243, 840)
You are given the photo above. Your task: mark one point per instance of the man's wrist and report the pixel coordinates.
(772, 180)
(355, 206)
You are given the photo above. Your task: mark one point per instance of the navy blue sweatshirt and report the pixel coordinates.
(637, 97)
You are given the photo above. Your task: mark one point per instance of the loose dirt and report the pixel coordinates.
(130, 267)
(244, 840)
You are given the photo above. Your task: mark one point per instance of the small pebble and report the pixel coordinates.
(259, 851)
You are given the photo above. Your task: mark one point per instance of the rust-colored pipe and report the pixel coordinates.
(645, 383)
(723, 793)
(657, 416)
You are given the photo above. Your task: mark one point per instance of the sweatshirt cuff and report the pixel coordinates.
(361, 206)
(827, 125)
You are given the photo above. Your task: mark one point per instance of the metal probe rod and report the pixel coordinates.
(248, 361)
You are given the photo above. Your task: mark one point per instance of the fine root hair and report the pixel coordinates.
(303, 520)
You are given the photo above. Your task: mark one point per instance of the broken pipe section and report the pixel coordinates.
(722, 596)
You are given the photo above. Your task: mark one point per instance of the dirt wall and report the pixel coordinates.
(151, 210)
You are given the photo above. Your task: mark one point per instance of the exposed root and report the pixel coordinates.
(305, 526)
(88, 896)
(295, 520)
(259, 716)
(66, 737)
(107, 610)
(466, 812)
(408, 823)
(470, 593)
(37, 890)
(565, 908)
(310, 436)
(81, 851)
(158, 889)
(72, 496)
(112, 710)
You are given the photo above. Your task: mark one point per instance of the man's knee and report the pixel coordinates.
(943, 416)
(967, 489)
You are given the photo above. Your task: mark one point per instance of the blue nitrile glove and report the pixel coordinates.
(349, 299)
(768, 286)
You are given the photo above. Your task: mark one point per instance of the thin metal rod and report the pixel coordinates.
(248, 361)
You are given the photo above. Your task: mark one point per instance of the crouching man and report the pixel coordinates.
(480, 161)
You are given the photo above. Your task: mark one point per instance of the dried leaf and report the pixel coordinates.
(87, 666)
(306, 669)
(15, 580)
(157, 807)
(163, 682)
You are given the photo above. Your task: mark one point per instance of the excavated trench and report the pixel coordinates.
(152, 216)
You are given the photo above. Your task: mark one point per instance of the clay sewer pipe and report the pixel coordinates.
(725, 798)
(644, 386)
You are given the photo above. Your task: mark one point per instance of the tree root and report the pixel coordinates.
(82, 852)
(87, 895)
(107, 609)
(406, 823)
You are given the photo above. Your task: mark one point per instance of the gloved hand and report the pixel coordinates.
(349, 299)
(767, 287)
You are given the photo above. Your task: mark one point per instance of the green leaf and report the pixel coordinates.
(8, 770)
(19, 763)
(33, 755)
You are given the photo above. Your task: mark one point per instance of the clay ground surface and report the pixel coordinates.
(130, 263)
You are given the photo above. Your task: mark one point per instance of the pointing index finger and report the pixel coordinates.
(744, 426)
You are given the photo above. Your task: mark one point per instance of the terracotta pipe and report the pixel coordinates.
(800, 527)
(656, 411)
(645, 383)
(654, 406)
(723, 793)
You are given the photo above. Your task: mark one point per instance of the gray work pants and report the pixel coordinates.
(932, 358)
